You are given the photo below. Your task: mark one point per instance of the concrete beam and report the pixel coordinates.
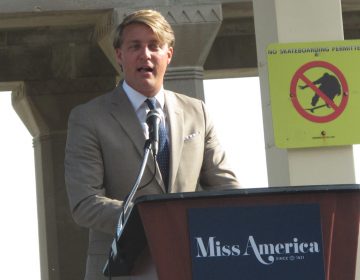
(50, 53)
(34, 37)
(12, 6)
(32, 20)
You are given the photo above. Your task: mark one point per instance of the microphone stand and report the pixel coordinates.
(127, 206)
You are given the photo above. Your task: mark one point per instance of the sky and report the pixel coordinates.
(19, 236)
(239, 127)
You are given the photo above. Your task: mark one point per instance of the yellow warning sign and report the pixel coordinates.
(315, 93)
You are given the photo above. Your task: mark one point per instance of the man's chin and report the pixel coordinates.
(147, 88)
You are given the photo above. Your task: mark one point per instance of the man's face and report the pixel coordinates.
(143, 58)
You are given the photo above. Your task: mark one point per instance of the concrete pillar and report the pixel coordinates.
(195, 29)
(186, 80)
(299, 21)
(44, 107)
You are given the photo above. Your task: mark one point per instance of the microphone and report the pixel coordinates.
(153, 120)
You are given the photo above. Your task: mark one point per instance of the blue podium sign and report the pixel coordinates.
(279, 242)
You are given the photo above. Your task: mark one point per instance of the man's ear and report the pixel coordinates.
(170, 53)
(118, 56)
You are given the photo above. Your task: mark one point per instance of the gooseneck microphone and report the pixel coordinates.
(153, 120)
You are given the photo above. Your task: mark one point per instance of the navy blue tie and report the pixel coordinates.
(163, 153)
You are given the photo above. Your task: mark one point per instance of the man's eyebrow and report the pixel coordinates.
(156, 41)
(133, 41)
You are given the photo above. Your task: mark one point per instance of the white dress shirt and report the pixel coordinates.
(138, 102)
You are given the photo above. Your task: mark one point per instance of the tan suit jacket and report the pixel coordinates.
(104, 149)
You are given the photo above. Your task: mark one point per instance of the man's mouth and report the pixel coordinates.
(145, 69)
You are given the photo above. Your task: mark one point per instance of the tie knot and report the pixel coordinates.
(151, 103)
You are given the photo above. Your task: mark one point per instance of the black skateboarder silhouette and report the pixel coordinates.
(329, 85)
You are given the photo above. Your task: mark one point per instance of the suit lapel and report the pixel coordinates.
(121, 109)
(176, 123)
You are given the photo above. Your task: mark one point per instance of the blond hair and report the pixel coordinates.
(152, 19)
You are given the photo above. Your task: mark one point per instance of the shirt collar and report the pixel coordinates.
(137, 99)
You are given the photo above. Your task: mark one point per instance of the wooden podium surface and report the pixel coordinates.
(160, 221)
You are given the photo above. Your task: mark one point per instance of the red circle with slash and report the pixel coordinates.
(300, 75)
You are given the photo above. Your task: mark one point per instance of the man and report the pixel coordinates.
(106, 137)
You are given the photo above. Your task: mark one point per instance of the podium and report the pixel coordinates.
(166, 224)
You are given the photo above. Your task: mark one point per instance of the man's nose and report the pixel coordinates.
(145, 52)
